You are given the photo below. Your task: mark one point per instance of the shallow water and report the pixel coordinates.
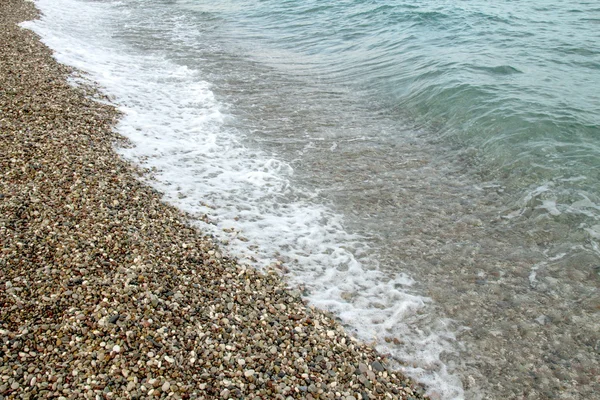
(427, 170)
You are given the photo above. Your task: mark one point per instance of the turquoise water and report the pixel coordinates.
(429, 171)
(510, 91)
(515, 85)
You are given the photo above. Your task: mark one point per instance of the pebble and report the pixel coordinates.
(362, 368)
(377, 366)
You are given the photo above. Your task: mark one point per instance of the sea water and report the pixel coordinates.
(426, 170)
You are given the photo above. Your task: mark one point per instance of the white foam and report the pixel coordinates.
(594, 231)
(550, 206)
(177, 126)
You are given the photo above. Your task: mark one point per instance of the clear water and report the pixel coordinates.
(429, 171)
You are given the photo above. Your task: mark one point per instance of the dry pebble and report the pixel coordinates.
(106, 292)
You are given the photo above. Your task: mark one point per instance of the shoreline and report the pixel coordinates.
(107, 292)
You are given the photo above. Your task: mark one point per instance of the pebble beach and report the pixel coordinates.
(107, 292)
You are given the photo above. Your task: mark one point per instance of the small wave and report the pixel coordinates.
(498, 70)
